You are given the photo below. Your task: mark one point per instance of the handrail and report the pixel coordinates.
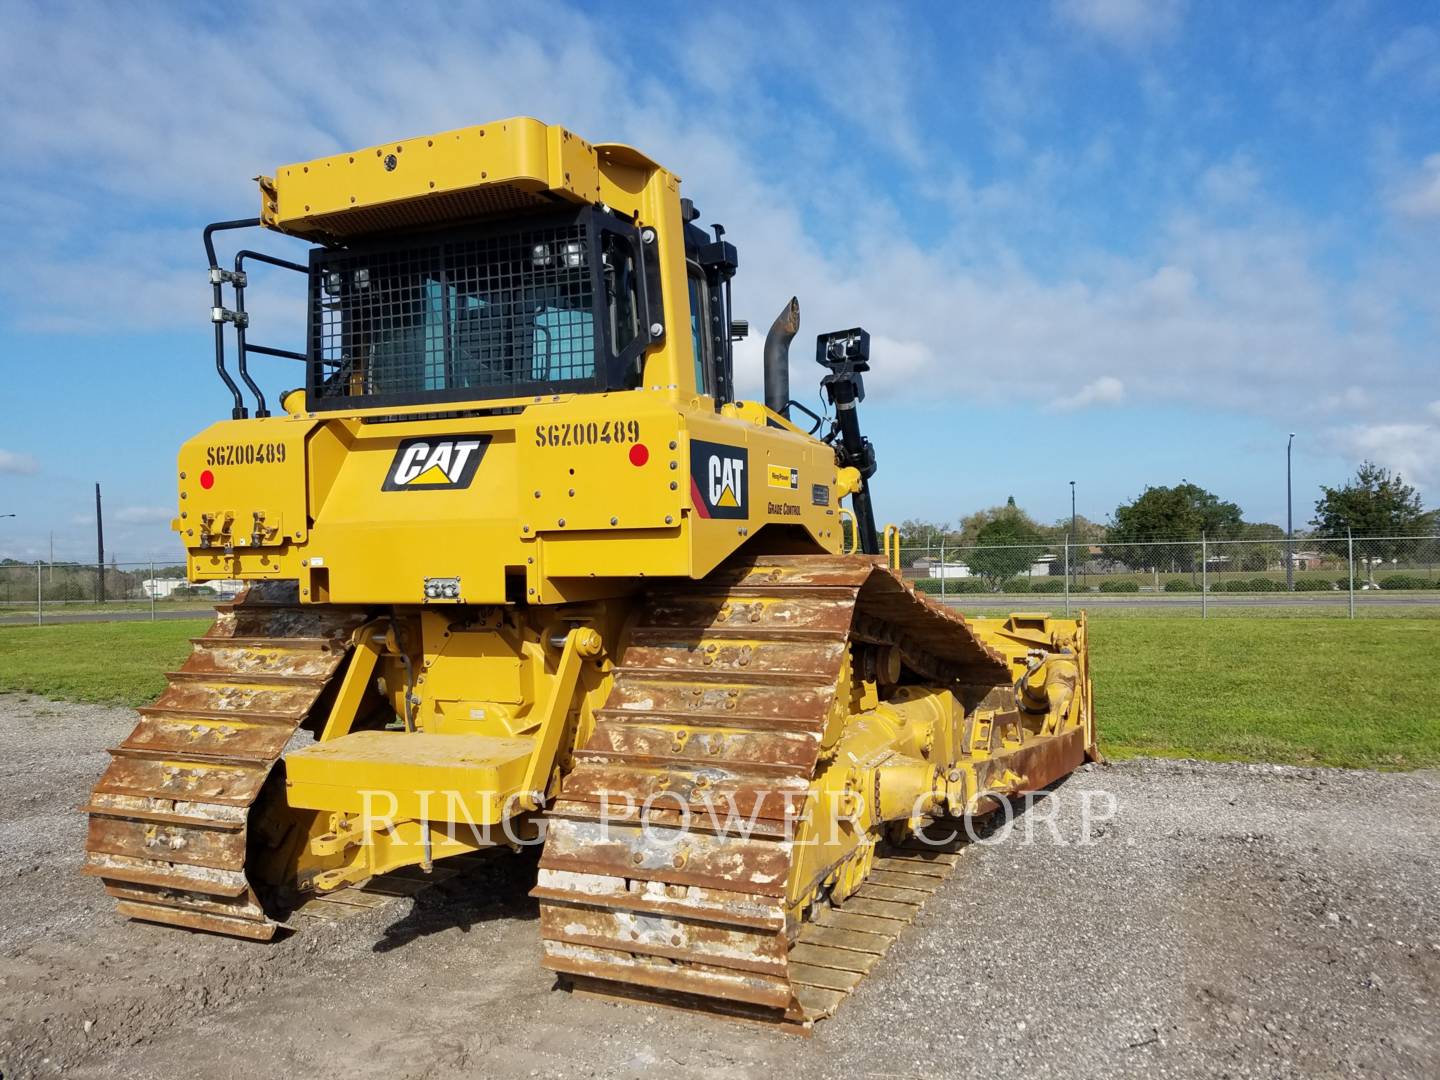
(846, 512)
(892, 546)
(242, 321)
(217, 309)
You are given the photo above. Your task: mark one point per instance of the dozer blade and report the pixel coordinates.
(750, 662)
(168, 827)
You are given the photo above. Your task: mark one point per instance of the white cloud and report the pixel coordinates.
(1106, 390)
(1169, 288)
(1350, 399)
(1411, 449)
(1231, 182)
(1128, 23)
(1419, 195)
(18, 464)
(1412, 55)
(145, 515)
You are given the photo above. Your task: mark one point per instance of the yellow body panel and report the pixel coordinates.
(505, 165)
(564, 521)
(382, 774)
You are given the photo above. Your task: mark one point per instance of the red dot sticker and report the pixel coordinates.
(207, 479)
(639, 454)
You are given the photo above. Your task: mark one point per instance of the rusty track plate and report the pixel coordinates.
(167, 830)
(722, 693)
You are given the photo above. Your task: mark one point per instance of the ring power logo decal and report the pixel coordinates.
(719, 480)
(783, 476)
(440, 463)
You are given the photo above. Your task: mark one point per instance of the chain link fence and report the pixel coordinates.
(1203, 577)
(1320, 576)
(74, 591)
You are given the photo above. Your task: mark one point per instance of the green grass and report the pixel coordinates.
(1296, 690)
(1234, 608)
(198, 604)
(118, 663)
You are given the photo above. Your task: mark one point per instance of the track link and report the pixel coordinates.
(168, 831)
(721, 699)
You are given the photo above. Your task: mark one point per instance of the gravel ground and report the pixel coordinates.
(1227, 920)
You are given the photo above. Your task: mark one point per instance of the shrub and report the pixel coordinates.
(1119, 585)
(1231, 585)
(1265, 584)
(1315, 584)
(1179, 585)
(967, 585)
(1014, 585)
(949, 587)
(1404, 581)
(1048, 585)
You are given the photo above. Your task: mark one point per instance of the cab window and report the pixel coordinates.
(700, 338)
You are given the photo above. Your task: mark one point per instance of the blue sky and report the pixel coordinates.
(1114, 241)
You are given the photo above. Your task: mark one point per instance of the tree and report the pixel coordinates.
(915, 533)
(1086, 531)
(1266, 547)
(1183, 512)
(1007, 545)
(971, 525)
(1375, 503)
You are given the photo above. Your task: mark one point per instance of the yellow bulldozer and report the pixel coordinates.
(522, 570)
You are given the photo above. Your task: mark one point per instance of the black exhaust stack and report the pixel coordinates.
(777, 358)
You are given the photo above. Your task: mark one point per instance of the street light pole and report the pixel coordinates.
(1289, 522)
(1075, 567)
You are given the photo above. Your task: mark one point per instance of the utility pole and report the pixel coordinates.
(1289, 522)
(99, 550)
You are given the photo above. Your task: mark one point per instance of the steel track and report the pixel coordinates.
(721, 697)
(169, 829)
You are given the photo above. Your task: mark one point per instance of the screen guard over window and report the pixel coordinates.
(543, 307)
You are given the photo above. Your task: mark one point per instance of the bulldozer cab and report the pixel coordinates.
(541, 305)
(510, 260)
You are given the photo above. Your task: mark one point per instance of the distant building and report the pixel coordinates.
(160, 588)
(949, 570)
(164, 588)
(1041, 567)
